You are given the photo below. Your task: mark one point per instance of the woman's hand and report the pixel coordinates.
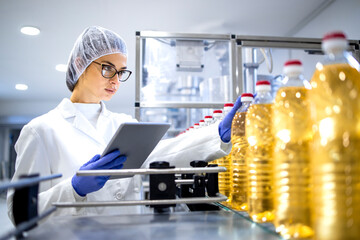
(225, 124)
(87, 184)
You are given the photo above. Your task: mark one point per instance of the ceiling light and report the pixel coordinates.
(61, 67)
(32, 31)
(21, 87)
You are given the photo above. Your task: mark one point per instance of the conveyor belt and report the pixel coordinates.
(205, 225)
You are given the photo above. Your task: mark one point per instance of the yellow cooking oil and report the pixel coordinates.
(292, 136)
(238, 169)
(335, 151)
(259, 158)
(224, 177)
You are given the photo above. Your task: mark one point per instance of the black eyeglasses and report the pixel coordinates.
(108, 71)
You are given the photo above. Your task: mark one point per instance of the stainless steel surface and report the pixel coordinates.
(158, 34)
(131, 172)
(178, 225)
(234, 73)
(240, 88)
(281, 45)
(284, 39)
(26, 225)
(220, 198)
(181, 105)
(185, 181)
(250, 69)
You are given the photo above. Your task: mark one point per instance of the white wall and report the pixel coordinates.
(341, 15)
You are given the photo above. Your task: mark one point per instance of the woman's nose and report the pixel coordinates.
(115, 79)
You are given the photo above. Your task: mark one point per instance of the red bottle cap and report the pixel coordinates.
(228, 105)
(247, 95)
(262, 82)
(333, 35)
(293, 62)
(263, 85)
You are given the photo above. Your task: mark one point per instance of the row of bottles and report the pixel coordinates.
(224, 178)
(296, 159)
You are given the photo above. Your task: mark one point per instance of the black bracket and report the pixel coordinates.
(162, 186)
(25, 203)
(203, 183)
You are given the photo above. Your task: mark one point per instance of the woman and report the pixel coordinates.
(64, 139)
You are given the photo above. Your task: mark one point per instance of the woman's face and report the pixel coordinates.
(92, 86)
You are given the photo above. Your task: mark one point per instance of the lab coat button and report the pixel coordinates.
(119, 196)
(136, 189)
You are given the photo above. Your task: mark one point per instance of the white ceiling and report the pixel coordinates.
(32, 59)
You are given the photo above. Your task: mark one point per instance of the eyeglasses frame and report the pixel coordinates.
(116, 71)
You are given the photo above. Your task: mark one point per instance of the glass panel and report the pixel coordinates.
(267, 64)
(176, 70)
(180, 118)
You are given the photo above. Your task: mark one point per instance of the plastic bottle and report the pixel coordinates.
(208, 120)
(224, 178)
(335, 149)
(202, 123)
(292, 135)
(196, 125)
(238, 169)
(217, 115)
(259, 155)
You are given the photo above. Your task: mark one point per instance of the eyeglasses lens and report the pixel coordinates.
(108, 71)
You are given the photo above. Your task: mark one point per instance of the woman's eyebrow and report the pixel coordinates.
(110, 63)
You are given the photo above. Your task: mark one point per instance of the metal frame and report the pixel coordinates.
(313, 44)
(189, 36)
(236, 52)
(195, 200)
(147, 171)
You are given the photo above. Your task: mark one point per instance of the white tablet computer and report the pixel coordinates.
(136, 140)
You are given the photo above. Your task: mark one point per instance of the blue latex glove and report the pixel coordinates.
(225, 124)
(87, 184)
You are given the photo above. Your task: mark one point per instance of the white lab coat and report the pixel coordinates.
(62, 140)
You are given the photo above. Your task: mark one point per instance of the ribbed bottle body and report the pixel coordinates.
(292, 136)
(239, 178)
(259, 158)
(335, 151)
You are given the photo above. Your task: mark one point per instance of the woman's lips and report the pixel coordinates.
(110, 90)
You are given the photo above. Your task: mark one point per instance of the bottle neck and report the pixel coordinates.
(244, 106)
(293, 80)
(217, 118)
(263, 97)
(208, 121)
(332, 57)
(341, 57)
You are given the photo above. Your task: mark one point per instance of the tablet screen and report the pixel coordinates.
(136, 140)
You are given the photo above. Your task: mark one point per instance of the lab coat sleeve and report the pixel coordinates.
(32, 158)
(199, 144)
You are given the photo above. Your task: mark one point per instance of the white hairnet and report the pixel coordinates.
(93, 43)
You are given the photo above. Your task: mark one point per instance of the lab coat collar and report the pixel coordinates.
(68, 110)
